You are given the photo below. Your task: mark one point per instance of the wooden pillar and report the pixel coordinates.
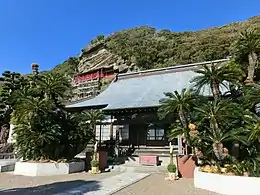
(111, 128)
(137, 137)
(100, 131)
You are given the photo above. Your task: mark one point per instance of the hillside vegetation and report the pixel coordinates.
(147, 48)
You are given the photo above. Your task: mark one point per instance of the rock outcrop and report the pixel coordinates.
(97, 56)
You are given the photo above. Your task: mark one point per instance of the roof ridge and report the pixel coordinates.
(119, 76)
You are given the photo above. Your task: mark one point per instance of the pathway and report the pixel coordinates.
(155, 184)
(133, 181)
(109, 185)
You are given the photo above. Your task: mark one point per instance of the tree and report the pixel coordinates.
(221, 116)
(93, 117)
(97, 39)
(177, 103)
(11, 82)
(54, 86)
(248, 44)
(216, 76)
(44, 129)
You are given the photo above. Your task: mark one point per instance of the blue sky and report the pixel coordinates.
(50, 31)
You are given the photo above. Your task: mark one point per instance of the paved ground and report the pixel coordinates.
(155, 184)
(20, 185)
(101, 184)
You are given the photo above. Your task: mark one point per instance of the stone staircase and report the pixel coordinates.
(161, 151)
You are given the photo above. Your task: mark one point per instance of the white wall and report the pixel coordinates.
(228, 185)
(47, 169)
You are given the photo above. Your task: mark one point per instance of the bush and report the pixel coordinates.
(94, 163)
(171, 168)
(44, 129)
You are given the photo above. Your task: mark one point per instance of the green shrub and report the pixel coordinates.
(171, 168)
(94, 163)
(44, 128)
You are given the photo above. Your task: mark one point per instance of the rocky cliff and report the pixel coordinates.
(145, 48)
(97, 55)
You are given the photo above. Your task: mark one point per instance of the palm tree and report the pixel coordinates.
(177, 102)
(216, 75)
(93, 117)
(53, 85)
(249, 44)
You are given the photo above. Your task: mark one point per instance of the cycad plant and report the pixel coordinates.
(217, 76)
(248, 44)
(218, 123)
(180, 103)
(93, 117)
(43, 128)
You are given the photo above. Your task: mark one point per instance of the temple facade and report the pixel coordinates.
(132, 101)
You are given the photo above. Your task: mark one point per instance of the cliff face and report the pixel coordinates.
(97, 56)
(146, 48)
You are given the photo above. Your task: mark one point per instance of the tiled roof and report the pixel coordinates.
(146, 88)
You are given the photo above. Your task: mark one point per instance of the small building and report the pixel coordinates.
(132, 100)
(97, 68)
(90, 83)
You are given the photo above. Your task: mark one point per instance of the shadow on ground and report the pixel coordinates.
(54, 188)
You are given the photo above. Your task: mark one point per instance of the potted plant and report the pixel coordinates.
(94, 166)
(171, 172)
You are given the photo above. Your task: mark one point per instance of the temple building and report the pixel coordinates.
(97, 67)
(90, 83)
(132, 100)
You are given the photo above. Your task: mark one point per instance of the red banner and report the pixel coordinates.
(91, 76)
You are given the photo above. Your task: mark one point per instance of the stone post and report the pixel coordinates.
(180, 150)
(11, 137)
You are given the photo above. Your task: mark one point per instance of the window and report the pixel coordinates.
(124, 132)
(105, 132)
(155, 133)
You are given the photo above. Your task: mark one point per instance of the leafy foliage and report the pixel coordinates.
(97, 39)
(93, 117)
(11, 82)
(171, 168)
(68, 67)
(224, 130)
(247, 48)
(149, 48)
(43, 128)
(217, 76)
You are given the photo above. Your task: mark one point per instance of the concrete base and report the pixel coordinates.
(225, 184)
(47, 169)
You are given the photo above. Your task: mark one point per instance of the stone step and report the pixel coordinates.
(154, 152)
